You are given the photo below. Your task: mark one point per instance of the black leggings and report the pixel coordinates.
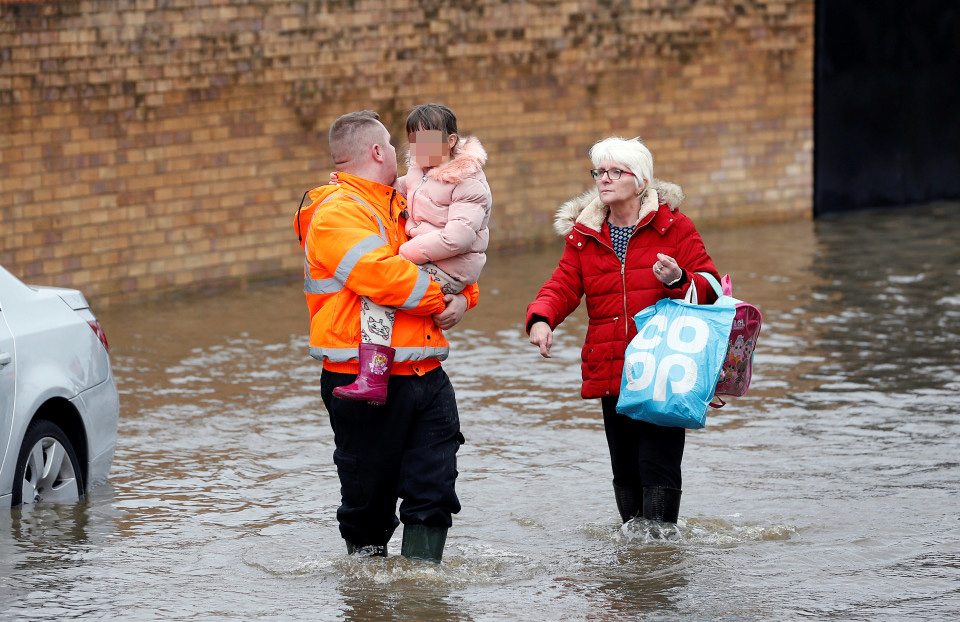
(641, 454)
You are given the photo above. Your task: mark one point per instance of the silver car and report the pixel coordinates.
(58, 400)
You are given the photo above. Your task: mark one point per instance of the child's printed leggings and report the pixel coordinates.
(376, 321)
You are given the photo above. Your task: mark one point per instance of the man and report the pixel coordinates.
(405, 449)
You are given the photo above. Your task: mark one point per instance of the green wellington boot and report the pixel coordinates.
(422, 542)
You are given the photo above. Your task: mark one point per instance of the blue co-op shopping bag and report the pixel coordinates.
(672, 365)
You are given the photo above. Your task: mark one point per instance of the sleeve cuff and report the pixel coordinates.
(534, 319)
(679, 282)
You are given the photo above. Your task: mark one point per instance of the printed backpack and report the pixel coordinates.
(738, 365)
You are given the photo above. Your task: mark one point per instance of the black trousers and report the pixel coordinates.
(405, 449)
(641, 454)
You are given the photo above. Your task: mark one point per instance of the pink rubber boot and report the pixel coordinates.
(371, 383)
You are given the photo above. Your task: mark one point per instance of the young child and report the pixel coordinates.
(448, 205)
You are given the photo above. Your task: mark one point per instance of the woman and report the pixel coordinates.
(627, 246)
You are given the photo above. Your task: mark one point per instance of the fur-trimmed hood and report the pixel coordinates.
(588, 210)
(471, 157)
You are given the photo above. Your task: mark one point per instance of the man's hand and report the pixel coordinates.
(541, 335)
(453, 313)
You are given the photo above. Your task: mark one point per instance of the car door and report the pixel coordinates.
(7, 381)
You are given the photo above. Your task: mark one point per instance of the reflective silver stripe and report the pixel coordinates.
(419, 290)
(383, 230)
(343, 355)
(310, 284)
(349, 261)
(335, 284)
(319, 286)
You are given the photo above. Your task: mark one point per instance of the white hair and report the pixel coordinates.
(630, 152)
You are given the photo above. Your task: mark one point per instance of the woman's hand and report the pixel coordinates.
(334, 179)
(666, 269)
(541, 335)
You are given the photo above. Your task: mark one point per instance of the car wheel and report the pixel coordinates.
(47, 468)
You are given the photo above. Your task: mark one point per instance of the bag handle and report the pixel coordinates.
(691, 296)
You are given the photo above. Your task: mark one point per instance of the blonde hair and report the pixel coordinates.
(630, 152)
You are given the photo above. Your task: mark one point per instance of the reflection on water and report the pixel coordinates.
(829, 492)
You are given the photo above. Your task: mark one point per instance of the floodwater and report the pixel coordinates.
(830, 492)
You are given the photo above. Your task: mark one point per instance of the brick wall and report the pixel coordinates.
(151, 146)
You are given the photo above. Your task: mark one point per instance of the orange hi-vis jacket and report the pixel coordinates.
(350, 245)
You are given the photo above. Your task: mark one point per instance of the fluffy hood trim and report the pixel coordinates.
(471, 158)
(588, 210)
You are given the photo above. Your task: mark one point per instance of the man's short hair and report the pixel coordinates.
(352, 133)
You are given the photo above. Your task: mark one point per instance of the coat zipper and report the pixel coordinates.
(623, 285)
(396, 218)
(623, 281)
(423, 180)
(623, 276)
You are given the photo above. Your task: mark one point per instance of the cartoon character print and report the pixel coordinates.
(735, 362)
(379, 365)
(737, 349)
(737, 365)
(445, 287)
(743, 363)
(377, 329)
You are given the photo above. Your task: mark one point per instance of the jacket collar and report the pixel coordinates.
(375, 194)
(589, 211)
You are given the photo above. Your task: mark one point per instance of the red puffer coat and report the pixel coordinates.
(616, 292)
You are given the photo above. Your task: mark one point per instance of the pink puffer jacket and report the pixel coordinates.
(449, 212)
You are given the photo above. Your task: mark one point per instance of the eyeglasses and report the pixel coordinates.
(613, 173)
